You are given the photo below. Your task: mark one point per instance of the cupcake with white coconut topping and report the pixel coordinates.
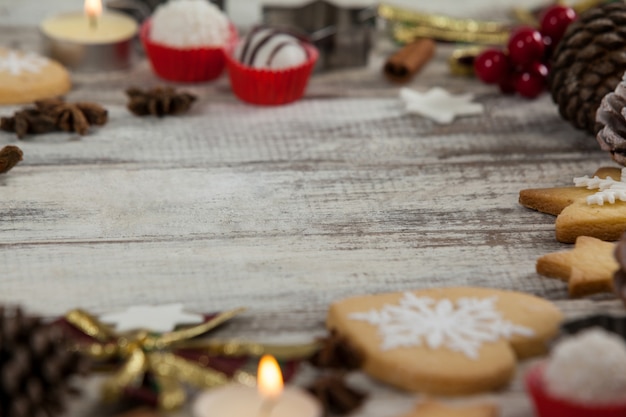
(585, 375)
(186, 40)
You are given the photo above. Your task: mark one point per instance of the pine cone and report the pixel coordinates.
(588, 63)
(611, 117)
(35, 365)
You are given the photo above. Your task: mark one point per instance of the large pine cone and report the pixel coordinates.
(588, 63)
(611, 118)
(35, 365)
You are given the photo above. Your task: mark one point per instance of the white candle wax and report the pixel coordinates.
(242, 401)
(75, 27)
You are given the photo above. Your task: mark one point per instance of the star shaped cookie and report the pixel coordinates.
(430, 408)
(575, 216)
(588, 268)
(439, 105)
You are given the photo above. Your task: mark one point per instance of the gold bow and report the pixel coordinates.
(142, 351)
(411, 24)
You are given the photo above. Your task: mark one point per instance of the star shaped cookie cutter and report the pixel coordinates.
(140, 10)
(343, 35)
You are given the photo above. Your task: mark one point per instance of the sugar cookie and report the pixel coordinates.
(588, 268)
(585, 209)
(446, 340)
(26, 77)
(432, 408)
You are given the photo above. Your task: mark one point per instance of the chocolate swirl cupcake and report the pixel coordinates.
(272, 48)
(619, 279)
(271, 66)
(611, 118)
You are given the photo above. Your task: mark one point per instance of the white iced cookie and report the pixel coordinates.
(445, 341)
(189, 24)
(589, 367)
(271, 49)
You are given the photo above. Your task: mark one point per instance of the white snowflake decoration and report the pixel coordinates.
(610, 190)
(159, 318)
(15, 63)
(439, 105)
(461, 327)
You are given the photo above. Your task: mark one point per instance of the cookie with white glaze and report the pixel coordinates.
(445, 341)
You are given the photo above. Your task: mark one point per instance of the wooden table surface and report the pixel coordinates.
(285, 209)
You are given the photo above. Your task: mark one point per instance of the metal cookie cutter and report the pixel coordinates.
(140, 10)
(343, 35)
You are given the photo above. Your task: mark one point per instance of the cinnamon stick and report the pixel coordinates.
(9, 157)
(408, 61)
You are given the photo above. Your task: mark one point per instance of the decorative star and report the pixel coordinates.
(161, 318)
(439, 105)
(588, 268)
(576, 215)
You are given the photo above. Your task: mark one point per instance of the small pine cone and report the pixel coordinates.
(588, 63)
(611, 118)
(35, 366)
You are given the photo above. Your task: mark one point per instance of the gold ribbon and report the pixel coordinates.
(528, 17)
(142, 351)
(412, 24)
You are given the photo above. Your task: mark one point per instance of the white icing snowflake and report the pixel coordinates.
(610, 190)
(461, 326)
(16, 63)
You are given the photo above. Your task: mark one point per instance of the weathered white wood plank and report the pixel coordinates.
(286, 209)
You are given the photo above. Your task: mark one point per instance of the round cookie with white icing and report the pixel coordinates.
(268, 48)
(26, 77)
(445, 341)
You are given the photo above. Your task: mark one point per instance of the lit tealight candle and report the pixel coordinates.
(269, 400)
(90, 40)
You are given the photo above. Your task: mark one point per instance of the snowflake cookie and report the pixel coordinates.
(445, 341)
(591, 207)
(26, 77)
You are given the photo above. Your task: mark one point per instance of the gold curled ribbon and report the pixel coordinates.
(142, 351)
(529, 17)
(412, 24)
(461, 62)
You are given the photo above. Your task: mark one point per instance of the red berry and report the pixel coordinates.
(548, 48)
(491, 66)
(555, 21)
(525, 46)
(540, 69)
(530, 84)
(506, 85)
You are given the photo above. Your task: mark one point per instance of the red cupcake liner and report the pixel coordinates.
(547, 405)
(186, 64)
(270, 87)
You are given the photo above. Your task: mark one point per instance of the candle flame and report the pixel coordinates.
(270, 380)
(93, 8)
